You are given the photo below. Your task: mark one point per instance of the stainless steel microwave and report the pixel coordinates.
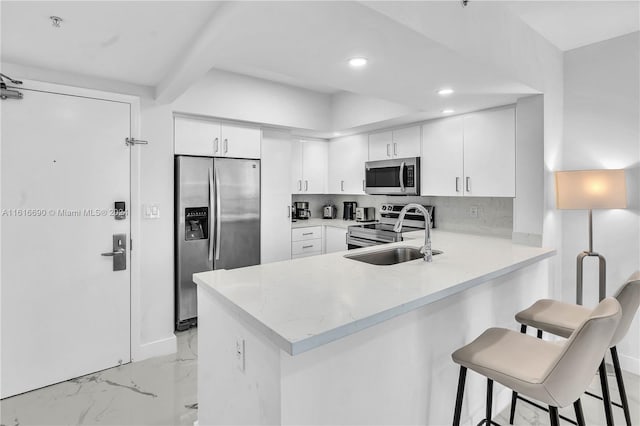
(400, 176)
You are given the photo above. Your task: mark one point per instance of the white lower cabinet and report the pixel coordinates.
(315, 240)
(306, 241)
(335, 239)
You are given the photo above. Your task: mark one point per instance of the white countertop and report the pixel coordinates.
(336, 223)
(305, 303)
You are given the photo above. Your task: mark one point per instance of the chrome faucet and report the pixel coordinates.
(426, 249)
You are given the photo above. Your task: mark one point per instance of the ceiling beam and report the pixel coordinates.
(196, 60)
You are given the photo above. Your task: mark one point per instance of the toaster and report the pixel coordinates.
(329, 212)
(365, 214)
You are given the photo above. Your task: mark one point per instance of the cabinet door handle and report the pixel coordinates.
(342, 185)
(215, 145)
(363, 190)
(299, 185)
(305, 247)
(306, 185)
(467, 183)
(457, 184)
(288, 212)
(226, 146)
(395, 149)
(388, 148)
(307, 233)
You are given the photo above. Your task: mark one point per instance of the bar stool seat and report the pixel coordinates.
(517, 361)
(553, 316)
(553, 373)
(561, 319)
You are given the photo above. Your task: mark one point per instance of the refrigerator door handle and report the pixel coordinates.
(210, 221)
(218, 219)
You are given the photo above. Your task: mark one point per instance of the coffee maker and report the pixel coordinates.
(349, 210)
(301, 210)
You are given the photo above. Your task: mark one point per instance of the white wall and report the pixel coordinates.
(350, 110)
(528, 206)
(601, 130)
(234, 96)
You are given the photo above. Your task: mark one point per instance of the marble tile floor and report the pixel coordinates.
(162, 391)
(158, 391)
(593, 408)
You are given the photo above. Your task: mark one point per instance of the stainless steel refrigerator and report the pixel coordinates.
(217, 223)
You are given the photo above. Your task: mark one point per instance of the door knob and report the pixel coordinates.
(119, 253)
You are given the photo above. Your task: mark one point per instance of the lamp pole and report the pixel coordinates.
(602, 263)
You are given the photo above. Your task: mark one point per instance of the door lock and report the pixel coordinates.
(119, 253)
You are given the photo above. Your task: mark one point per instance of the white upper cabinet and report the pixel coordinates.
(398, 143)
(194, 136)
(406, 142)
(347, 156)
(490, 153)
(240, 141)
(441, 165)
(470, 155)
(309, 167)
(380, 145)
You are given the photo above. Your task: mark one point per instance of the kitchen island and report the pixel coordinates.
(331, 340)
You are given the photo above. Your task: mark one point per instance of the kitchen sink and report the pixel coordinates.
(390, 256)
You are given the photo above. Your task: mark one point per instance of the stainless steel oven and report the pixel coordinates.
(373, 234)
(400, 176)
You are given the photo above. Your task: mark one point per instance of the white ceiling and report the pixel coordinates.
(572, 24)
(131, 41)
(305, 44)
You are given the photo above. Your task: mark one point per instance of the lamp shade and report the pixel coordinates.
(591, 189)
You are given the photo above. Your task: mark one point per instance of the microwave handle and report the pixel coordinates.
(402, 176)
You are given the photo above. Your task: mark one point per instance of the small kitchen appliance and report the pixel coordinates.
(365, 214)
(399, 176)
(329, 212)
(349, 210)
(302, 210)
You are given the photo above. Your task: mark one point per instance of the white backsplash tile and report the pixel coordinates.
(495, 214)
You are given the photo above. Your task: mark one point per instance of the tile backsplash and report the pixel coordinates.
(494, 214)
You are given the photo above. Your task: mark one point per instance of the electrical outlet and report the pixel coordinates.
(240, 358)
(473, 211)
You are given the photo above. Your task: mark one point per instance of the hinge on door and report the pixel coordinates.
(134, 141)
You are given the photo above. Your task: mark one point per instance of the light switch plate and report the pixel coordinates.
(151, 211)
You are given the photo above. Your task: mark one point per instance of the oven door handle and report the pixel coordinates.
(402, 176)
(351, 241)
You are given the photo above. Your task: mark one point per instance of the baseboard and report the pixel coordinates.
(160, 347)
(630, 364)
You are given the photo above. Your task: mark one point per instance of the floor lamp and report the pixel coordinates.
(591, 189)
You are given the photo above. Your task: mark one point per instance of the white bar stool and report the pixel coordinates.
(555, 374)
(561, 319)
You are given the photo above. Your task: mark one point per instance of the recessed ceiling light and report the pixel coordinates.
(358, 62)
(445, 91)
(448, 111)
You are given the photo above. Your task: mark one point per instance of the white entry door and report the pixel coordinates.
(65, 311)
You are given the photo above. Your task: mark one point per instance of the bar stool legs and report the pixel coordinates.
(606, 398)
(621, 390)
(577, 406)
(460, 394)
